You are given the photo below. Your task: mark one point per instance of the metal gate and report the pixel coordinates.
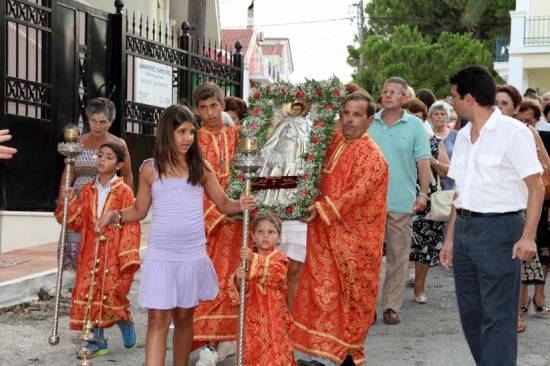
(58, 54)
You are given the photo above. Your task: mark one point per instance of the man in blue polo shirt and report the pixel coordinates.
(403, 141)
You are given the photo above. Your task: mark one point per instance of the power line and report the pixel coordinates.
(295, 23)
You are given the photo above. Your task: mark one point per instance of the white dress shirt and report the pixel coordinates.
(489, 173)
(102, 192)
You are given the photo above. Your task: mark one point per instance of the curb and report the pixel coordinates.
(25, 289)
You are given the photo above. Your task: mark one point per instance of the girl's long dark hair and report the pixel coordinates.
(165, 147)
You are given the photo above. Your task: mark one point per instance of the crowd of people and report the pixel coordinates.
(387, 158)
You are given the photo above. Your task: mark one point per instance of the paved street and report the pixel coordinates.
(429, 335)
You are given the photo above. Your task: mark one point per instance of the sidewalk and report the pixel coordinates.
(24, 272)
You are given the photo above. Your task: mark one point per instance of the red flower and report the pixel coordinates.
(310, 157)
(240, 177)
(269, 87)
(289, 210)
(254, 212)
(306, 176)
(299, 93)
(256, 111)
(318, 91)
(257, 95)
(319, 123)
(329, 107)
(252, 126)
(315, 140)
(304, 193)
(337, 92)
(283, 91)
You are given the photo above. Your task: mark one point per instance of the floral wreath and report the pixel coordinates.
(328, 96)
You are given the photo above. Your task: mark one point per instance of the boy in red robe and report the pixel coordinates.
(107, 261)
(216, 321)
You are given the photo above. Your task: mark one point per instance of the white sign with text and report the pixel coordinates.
(153, 83)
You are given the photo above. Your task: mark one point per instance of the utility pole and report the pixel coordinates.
(361, 31)
(196, 15)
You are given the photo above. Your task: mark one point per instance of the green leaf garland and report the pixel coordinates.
(328, 97)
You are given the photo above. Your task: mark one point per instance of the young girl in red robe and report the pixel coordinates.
(267, 321)
(107, 261)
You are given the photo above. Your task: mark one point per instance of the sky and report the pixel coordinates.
(319, 50)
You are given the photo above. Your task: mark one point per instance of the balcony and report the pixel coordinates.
(501, 51)
(537, 31)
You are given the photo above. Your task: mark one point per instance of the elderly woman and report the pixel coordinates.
(101, 114)
(439, 116)
(427, 238)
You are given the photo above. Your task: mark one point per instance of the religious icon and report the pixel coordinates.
(283, 154)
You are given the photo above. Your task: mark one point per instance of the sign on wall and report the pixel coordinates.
(153, 82)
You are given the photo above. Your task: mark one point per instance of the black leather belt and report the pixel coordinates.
(466, 214)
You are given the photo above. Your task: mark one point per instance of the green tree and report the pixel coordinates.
(484, 18)
(413, 56)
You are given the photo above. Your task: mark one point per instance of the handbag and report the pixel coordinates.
(441, 203)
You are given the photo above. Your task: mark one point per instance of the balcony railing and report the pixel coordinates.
(502, 46)
(537, 31)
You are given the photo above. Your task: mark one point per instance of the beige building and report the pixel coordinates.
(266, 60)
(525, 62)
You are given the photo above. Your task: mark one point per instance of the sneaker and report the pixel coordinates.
(207, 357)
(128, 331)
(96, 348)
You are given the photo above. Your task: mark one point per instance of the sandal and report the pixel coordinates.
(541, 311)
(525, 309)
(522, 324)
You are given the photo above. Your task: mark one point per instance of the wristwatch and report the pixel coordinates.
(422, 194)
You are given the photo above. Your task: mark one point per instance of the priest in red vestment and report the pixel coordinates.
(336, 299)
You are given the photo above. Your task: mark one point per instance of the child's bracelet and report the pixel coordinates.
(118, 218)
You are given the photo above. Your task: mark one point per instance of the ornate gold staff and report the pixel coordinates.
(247, 162)
(71, 148)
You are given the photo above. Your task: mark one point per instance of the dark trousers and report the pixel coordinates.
(487, 286)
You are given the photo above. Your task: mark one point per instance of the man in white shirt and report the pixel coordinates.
(497, 176)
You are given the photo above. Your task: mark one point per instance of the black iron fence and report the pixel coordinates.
(56, 55)
(537, 31)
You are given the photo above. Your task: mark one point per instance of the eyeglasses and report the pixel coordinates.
(391, 93)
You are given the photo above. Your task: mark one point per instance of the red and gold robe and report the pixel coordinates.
(267, 321)
(217, 320)
(113, 266)
(336, 299)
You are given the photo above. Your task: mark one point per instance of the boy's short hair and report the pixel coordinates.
(207, 90)
(119, 151)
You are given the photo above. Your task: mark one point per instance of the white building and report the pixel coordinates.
(526, 64)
